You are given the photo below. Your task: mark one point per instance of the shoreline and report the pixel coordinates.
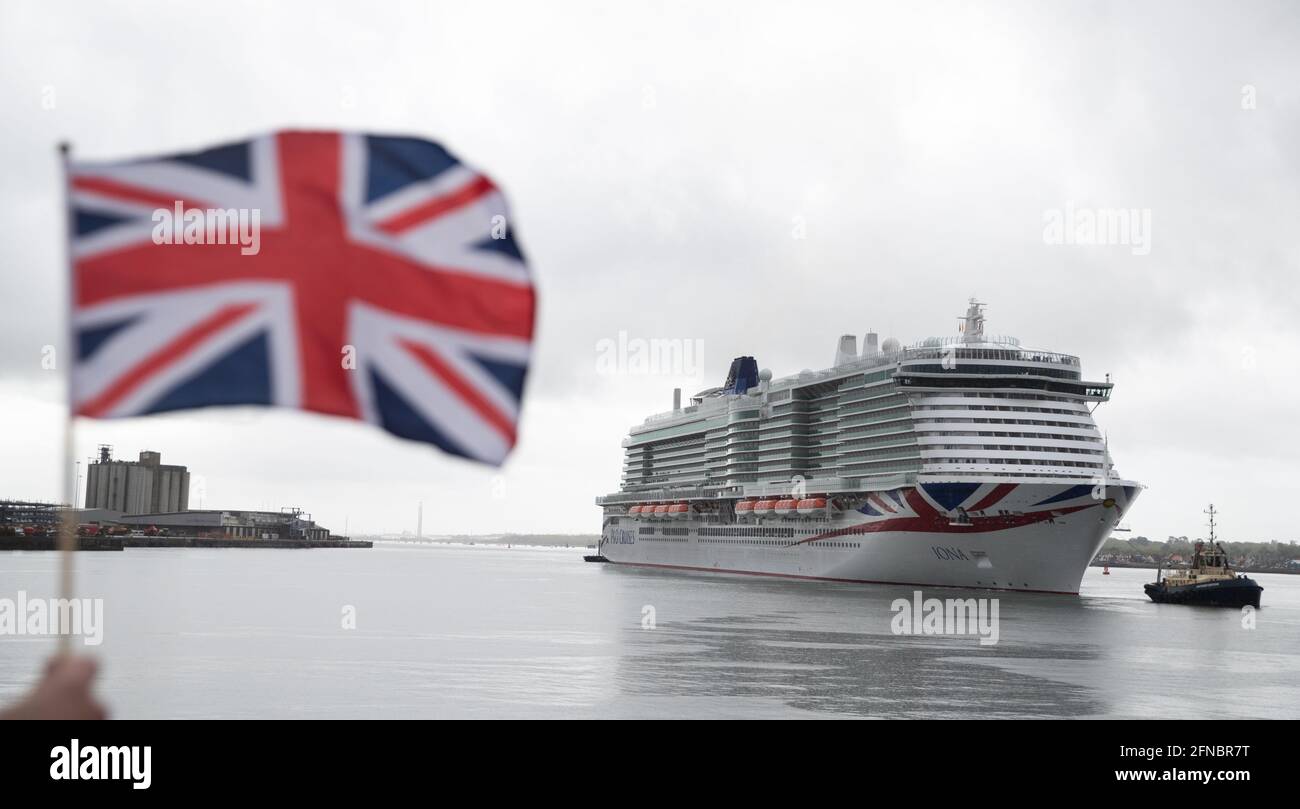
(460, 543)
(1148, 566)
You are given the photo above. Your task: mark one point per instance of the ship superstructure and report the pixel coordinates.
(964, 461)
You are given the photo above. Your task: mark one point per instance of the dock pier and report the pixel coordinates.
(117, 543)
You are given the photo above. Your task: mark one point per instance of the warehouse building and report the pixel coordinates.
(288, 523)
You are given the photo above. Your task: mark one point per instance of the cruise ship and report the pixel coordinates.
(963, 461)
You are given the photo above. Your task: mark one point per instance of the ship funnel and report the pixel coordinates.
(742, 376)
(870, 344)
(847, 351)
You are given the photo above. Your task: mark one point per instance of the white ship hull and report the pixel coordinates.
(1029, 536)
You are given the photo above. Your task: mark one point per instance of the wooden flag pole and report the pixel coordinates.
(68, 522)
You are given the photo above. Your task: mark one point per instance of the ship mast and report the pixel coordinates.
(1216, 557)
(972, 326)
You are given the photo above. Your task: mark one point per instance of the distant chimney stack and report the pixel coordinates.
(847, 351)
(677, 399)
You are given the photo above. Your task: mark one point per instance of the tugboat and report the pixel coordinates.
(1209, 582)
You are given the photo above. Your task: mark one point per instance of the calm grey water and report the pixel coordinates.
(493, 632)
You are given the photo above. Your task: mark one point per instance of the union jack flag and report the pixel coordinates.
(387, 286)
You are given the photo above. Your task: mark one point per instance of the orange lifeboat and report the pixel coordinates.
(744, 508)
(679, 511)
(783, 506)
(811, 505)
(661, 511)
(763, 507)
(634, 511)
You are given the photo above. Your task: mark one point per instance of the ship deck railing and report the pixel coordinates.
(785, 488)
(933, 348)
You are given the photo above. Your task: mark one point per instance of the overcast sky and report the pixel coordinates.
(759, 177)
